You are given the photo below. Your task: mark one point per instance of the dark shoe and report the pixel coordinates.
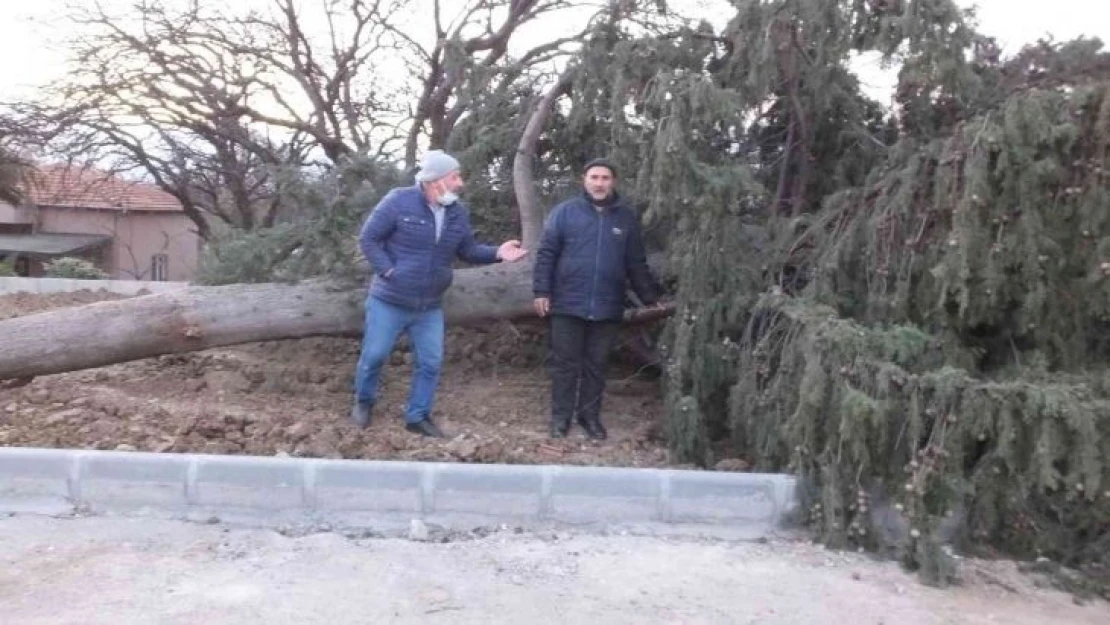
(559, 428)
(425, 428)
(360, 414)
(594, 430)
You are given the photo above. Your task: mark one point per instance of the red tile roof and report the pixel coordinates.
(73, 186)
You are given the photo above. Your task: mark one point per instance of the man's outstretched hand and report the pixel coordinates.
(542, 306)
(510, 251)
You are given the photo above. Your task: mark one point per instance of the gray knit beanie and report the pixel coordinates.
(436, 164)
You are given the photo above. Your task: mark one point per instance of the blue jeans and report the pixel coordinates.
(384, 323)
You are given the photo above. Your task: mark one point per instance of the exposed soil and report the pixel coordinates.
(293, 397)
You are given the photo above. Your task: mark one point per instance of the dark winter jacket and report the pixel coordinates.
(586, 258)
(411, 269)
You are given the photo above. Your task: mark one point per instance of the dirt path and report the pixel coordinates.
(117, 571)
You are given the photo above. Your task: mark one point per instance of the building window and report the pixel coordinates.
(159, 267)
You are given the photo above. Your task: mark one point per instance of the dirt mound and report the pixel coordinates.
(261, 401)
(292, 397)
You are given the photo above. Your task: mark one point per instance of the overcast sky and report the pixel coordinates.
(29, 28)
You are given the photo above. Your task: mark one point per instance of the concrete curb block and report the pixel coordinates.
(357, 492)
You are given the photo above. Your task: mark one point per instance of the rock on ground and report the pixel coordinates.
(124, 571)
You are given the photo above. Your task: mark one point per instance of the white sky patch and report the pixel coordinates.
(31, 34)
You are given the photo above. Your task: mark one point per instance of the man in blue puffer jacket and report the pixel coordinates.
(591, 247)
(411, 239)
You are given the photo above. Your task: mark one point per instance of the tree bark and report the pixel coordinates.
(198, 318)
(524, 183)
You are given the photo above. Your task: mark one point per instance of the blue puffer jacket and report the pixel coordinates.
(587, 257)
(399, 239)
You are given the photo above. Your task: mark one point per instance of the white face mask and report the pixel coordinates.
(447, 197)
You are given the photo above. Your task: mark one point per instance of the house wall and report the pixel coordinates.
(11, 215)
(137, 238)
(10, 228)
(15, 220)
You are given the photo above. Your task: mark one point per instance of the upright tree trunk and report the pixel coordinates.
(782, 197)
(524, 182)
(800, 178)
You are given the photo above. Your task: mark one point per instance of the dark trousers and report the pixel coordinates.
(579, 352)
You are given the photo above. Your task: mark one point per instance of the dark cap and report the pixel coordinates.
(600, 162)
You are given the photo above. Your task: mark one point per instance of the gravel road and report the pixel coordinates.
(124, 571)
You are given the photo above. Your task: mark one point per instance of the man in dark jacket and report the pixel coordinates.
(591, 247)
(411, 239)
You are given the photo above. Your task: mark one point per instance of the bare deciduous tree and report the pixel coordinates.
(211, 104)
(471, 55)
(13, 171)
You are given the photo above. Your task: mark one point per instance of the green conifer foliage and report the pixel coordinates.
(950, 357)
(911, 319)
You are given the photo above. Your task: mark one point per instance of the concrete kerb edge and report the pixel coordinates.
(267, 487)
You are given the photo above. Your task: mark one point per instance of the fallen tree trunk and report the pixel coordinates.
(198, 318)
